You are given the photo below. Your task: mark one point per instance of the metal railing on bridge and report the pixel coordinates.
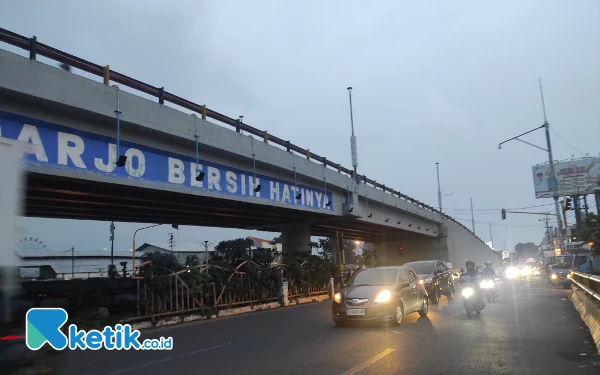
(588, 283)
(35, 48)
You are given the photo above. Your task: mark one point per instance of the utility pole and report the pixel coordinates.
(553, 181)
(112, 242)
(171, 241)
(491, 237)
(472, 216)
(577, 208)
(353, 147)
(585, 205)
(437, 167)
(72, 261)
(206, 243)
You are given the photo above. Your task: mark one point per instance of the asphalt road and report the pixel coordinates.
(531, 329)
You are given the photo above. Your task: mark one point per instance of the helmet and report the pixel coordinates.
(488, 264)
(470, 264)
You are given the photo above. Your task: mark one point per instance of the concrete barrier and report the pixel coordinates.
(226, 312)
(589, 310)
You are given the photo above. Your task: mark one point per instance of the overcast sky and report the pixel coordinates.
(434, 81)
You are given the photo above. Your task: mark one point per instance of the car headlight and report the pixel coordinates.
(337, 297)
(383, 296)
(511, 272)
(553, 277)
(536, 272)
(467, 292)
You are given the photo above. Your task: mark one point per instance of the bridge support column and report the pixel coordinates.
(295, 237)
(398, 252)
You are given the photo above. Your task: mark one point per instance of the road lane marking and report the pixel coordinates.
(368, 362)
(167, 359)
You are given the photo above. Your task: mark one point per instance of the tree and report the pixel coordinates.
(233, 252)
(192, 261)
(590, 231)
(368, 258)
(525, 250)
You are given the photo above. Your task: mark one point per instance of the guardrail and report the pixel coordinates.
(35, 48)
(588, 283)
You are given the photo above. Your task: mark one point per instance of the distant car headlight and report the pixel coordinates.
(487, 284)
(383, 296)
(337, 297)
(553, 276)
(467, 292)
(568, 276)
(511, 273)
(536, 272)
(421, 282)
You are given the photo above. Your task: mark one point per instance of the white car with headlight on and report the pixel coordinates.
(383, 294)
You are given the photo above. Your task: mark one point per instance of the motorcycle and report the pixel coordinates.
(488, 287)
(471, 296)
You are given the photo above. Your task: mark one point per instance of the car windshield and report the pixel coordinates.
(375, 276)
(563, 262)
(420, 267)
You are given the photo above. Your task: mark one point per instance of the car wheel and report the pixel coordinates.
(450, 294)
(424, 308)
(399, 315)
(435, 296)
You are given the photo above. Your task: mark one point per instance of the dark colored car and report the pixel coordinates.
(436, 277)
(15, 356)
(383, 294)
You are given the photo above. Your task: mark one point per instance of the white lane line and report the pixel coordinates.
(368, 362)
(168, 359)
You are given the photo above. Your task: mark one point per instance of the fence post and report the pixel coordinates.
(33, 48)
(161, 95)
(284, 293)
(106, 75)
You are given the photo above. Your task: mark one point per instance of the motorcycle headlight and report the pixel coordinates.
(486, 284)
(383, 296)
(337, 297)
(467, 292)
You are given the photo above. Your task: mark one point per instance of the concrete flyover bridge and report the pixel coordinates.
(102, 153)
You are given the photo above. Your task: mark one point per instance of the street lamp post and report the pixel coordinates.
(353, 147)
(554, 182)
(437, 167)
(472, 216)
(133, 246)
(206, 244)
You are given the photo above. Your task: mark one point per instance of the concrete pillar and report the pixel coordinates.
(295, 237)
(285, 301)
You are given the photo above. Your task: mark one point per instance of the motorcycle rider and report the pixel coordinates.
(489, 273)
(471, 270)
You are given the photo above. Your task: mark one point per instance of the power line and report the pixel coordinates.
(498, 209)
(565, 142)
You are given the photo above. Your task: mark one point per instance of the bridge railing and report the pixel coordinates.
(35, 48)
(588, 283)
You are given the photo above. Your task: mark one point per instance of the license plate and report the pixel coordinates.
(355, 312)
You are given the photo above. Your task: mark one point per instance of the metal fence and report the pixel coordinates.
(35, 48)
(588, 283)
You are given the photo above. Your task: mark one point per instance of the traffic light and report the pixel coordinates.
(568, 204)
(503, 214)
(401, 250)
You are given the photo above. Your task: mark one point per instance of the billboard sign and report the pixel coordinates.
(505, 254)
(575, 177)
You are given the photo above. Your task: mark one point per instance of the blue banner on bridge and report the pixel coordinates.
(57, 146)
